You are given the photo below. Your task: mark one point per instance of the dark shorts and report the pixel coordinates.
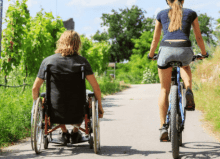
(168, 54)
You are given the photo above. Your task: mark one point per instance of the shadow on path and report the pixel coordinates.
(125, 151)
(73, 150)
(203, 150)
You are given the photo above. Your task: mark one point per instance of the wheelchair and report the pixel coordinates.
(44, 122)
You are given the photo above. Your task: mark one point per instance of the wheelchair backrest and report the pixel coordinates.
(66, 95)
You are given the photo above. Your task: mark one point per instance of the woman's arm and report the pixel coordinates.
(156, 38)
(36, 88)
(198, 36)
(97, 91)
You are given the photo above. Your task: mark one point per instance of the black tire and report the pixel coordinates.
(183, 91)
(169, 131)
(178, 123)
(46, 142)
(174, 122)
(38, 132)
(91, 142)
(180, 139)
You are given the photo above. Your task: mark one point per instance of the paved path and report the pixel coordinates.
(129, 130)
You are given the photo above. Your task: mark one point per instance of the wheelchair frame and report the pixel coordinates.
(41, 126)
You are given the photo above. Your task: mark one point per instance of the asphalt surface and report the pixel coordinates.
(130, 129)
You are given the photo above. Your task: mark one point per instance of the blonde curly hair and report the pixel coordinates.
(175, 14)
(69, 43)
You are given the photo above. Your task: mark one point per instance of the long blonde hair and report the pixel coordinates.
(175, 14)
(69, 43)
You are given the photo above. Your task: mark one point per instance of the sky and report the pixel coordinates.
(87, 13)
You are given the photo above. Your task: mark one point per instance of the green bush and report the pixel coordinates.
(96, 53)
(133, 71)
(149, 77)
(15, 108)
(107, 85)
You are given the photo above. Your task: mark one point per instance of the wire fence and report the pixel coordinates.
(1, 85)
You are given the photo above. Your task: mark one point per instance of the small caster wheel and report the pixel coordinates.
(46, 142)
(91, 142)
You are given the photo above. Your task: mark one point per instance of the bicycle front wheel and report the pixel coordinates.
(174, 122)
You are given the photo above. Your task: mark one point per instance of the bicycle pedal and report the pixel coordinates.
(191, 110)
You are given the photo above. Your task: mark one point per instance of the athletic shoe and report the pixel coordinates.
(75, 137)
(163, 133)
(190, 104)
(65, 138)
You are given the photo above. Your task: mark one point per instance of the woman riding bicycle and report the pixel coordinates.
(175, 46)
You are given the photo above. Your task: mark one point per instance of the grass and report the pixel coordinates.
(107, 85)
(15, 108)
(206, 86)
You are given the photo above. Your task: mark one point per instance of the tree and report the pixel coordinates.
(124, 26)
(143, 44)
(217, 31)
(15, 35)
(100, 36)
(205, 28)
(26, 40)
(96, 53)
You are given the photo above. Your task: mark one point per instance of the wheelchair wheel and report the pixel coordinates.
(95, 126)
(38, 131)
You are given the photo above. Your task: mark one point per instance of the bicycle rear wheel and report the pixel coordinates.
(174, 122)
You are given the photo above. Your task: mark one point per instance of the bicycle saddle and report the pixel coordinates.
(175, 63)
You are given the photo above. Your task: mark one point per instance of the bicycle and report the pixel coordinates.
(176, 113)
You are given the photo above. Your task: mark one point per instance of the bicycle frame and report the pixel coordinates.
(176, 81)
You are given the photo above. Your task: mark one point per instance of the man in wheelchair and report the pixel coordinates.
(62, 95)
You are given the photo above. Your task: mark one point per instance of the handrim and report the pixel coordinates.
(95, 125)
(38, 132)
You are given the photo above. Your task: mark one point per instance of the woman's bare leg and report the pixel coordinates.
(165, 80)
(186, 75)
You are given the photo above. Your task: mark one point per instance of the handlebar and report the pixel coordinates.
(199, 56)
(195, 57)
